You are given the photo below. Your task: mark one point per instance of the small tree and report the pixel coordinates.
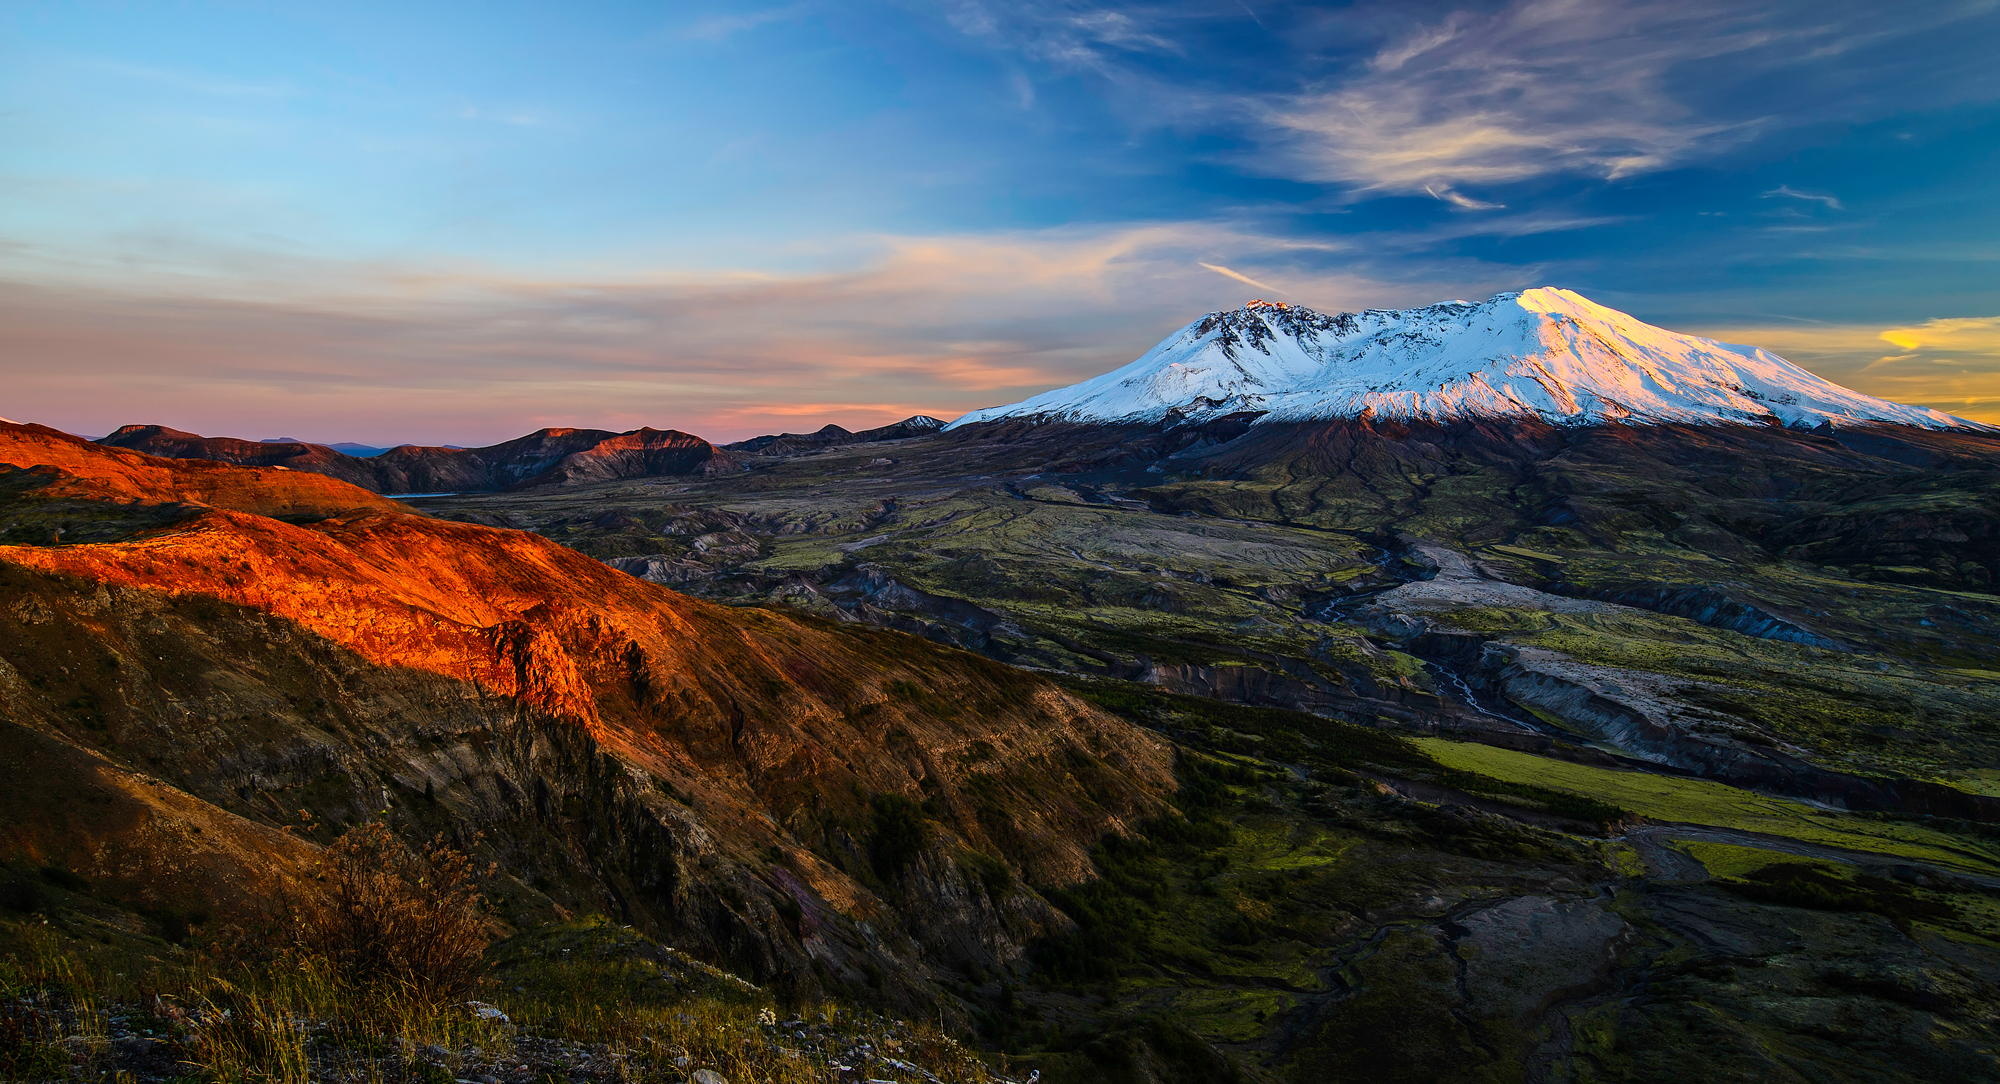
(392, 919)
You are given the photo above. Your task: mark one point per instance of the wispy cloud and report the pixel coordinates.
(194, 82)
(1080, 37)
(512, 117)
(1240, 277)
(723, 26)
(1785, 191)
(1458, 106)
(1535, 88)
(1458, 199)
(1979, 335)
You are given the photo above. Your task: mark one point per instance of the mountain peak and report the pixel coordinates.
(1546, 353)
(145, 429)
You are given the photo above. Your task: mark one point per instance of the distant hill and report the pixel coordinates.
(833, 436)
(544, 457)
(345, 447)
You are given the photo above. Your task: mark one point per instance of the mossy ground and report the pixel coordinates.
(1309, 919)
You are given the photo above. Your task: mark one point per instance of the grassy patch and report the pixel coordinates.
(1976, 781)
(1768, 877)
(1700, 801)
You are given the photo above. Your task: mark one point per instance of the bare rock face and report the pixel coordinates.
(642, 453)
(1522, 955)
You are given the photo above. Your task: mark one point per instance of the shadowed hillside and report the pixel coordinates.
(795, 797)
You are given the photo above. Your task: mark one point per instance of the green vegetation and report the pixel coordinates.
(1226, 918)
(585, 998)
(1334, 751)
(1700, 801)
(1867, 712)
(1976, 781)
(1825, 885)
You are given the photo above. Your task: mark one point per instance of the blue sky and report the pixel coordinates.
(456, 222)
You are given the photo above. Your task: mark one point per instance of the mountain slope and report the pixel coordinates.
(1545, 353)
(728, 774)
(1233, 561)
(1803, 611)
(557, 456)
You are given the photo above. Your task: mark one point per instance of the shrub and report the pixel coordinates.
(392, 919)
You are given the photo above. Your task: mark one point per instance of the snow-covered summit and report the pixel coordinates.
(1544, 353)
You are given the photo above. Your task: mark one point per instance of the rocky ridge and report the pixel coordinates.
(546, 457)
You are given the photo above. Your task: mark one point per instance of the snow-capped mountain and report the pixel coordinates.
(1545, 353)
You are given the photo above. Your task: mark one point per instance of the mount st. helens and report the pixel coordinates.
(1547, 354)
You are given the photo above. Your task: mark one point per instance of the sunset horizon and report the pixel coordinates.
(412, 224)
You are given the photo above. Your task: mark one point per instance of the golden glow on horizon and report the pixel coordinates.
(1952, 363)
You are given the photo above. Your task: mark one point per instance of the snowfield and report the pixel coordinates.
(1545, 353)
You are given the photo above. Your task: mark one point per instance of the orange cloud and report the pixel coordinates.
(1974, 334)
